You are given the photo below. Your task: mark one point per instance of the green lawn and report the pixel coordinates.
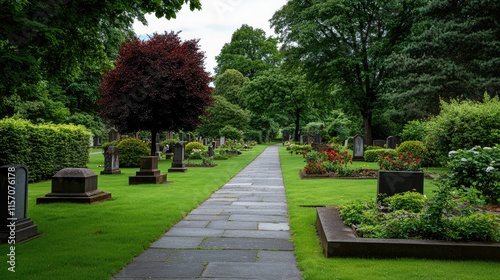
(302, 194)
(96, 241)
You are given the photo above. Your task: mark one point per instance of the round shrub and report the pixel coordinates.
(131, 150)
(105, 145)
(193, 145)
(230, 132)
(408, 201)
(372, 155)
(417, 150)
(414, 130)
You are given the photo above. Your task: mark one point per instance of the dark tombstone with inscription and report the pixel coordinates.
(15, 226)
(111, 161)
(178, 164)
(393, 182)
(359, 148)
(393, 142)
(210, 152)
(214, 145)
(78, 185)
(148, 173)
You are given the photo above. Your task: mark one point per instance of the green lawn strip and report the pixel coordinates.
(96, 241)
(308, 192)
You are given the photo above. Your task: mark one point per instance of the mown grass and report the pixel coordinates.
(96, 241)
(301, 194)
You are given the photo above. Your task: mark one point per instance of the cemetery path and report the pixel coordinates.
(240, 232)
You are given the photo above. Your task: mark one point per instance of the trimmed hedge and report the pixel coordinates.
(131, 150)
(193, 145)
(372, 155)
(44, 149)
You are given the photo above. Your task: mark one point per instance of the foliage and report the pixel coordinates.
(414, 130)
(131, 150)
(92, 123)
(220, 154)
(373, 155)
(231, 132)
(44, 148)
(299, 149)
(105, 145)
(417, 150)
(250, 52)
(408, 201)
(403, 162)
(329, 161)
(192, 146)
(339, 125)
(477, 168)
(315, 167)
(158, 84)
(320, 38)
(229, 84)
(452, 53)
(220, 114)
(313, 128)
(358, 212)
(311, 156)
(253, 135)
(463, 125)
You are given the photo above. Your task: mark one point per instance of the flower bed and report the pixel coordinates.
(359, 174)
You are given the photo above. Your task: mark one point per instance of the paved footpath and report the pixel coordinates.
(240, 232)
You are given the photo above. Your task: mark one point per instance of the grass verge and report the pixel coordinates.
(96, 241)
(302, 194)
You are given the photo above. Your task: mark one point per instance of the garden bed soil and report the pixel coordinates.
(338, 240)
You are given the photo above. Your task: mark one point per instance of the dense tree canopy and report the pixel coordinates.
(249, 52)
(158, 84)
(345, 42)
(229, 84)
(47, 48)
(454, 52)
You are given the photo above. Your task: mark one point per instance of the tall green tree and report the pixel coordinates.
(454, 52)
(229, 84)
(249, 52)
(281, 96)
(345, 43)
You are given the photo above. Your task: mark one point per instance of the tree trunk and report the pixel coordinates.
(367, 119)
(297, 126)
(153, 142)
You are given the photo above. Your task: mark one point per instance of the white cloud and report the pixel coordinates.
(214, 24)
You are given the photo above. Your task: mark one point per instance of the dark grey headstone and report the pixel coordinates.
(359, 148)
(113, 135)
(379, 143)
(393, 182)
(111, 161)
(286, 135)
(210, 151)
(178, 164)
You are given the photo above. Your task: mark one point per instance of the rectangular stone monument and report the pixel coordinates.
(393, 182)
(379, 143)
(359, 148)
(111, 161)
(178, 164)
(391, 142)
(149, 172)
(77, 185)
(285, 135)
(210, 151)
(113, 135)
(15, 226)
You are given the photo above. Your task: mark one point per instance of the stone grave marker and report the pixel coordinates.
(113, 135)
(15, 226)
(285, 135)
(391, 142)
(317, 139)
(148, 173)
(222, 140)
(178, 164)
(392, 182)
(111, 161)
(379, 143)
(210, 151)
(78, 185)
(359, 148)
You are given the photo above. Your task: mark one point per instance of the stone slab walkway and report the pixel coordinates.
(240, 232)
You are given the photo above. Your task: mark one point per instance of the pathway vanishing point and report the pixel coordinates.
(240, 232)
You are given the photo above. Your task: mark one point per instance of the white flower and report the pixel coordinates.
(452, 153)
(464, 159)
(476, 153)
(487, 148)
(489, 169)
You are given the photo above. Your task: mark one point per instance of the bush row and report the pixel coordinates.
(45, 148)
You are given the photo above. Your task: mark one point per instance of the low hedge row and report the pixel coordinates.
(44, 148)
(372, 155)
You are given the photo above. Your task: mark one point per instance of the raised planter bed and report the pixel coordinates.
(338, 240)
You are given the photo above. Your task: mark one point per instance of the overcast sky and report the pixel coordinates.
(214, 24)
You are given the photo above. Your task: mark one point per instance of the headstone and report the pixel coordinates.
(111, 161)
(222, 140)
(97, 141)
(214, 144)
(346, 143)
(285, 135)
(169, 135)
(304, 139)
(391, 142)
(210, 151)
(113, 135)
(379, 143)
(390, 183)
(158, 149)
(188, 137)
(178, 164)
(15, 226)
(148, 173)
(359, 148)
(217, 142)
(317, 139)
(206, 141)
(78, 185)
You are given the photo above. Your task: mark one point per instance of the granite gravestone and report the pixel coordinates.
(393, 182)
(359, 148)
(113, 135)
(78, 185)
(111, 161)
(15, 226)
(210, 152)
(178, 164)
(379, 143)
(285, 136)
(148, 173)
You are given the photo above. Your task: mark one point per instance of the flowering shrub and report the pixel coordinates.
(315, 167)
(329, 161)
(404, 162)
(477, 168)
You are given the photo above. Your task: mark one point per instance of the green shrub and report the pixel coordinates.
(230, 132)
(193, 145)
(170, 143)
(105, 145)
(131, 150)
(299, 149)
(463, 125)
(407, 201)
(414, 130)
(417, 150)
(372, 155)
(253, 135)
(478, 226)
(358, 213)
(44, 148)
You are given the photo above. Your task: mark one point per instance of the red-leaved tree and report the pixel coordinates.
(157, 84)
